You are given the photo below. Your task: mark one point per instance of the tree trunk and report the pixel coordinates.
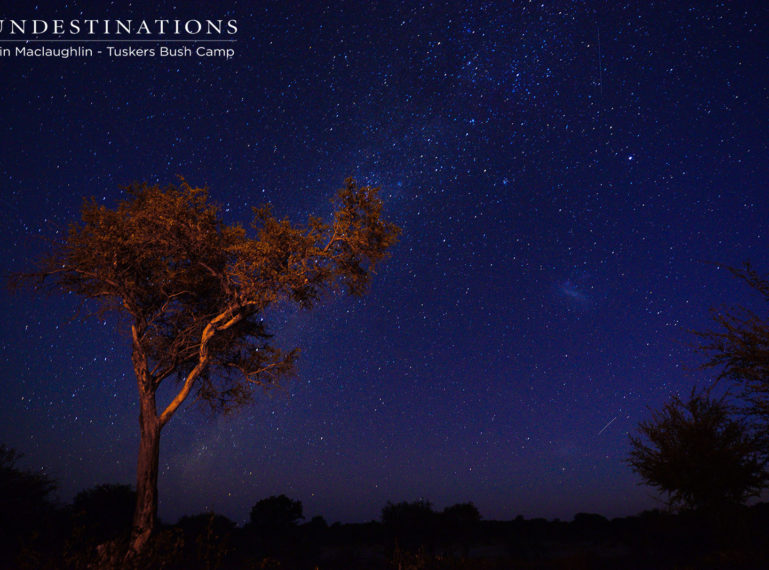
(145, 515)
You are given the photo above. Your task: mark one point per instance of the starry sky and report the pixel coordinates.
(567, 175)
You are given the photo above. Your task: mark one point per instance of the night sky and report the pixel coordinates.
(567, 175)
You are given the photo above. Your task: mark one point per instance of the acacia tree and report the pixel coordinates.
(700, 455)
(739, 347)
(194, 290)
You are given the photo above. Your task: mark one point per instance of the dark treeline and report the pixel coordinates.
(93, 530)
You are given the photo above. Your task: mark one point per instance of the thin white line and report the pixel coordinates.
(600, 63)
(607, 425)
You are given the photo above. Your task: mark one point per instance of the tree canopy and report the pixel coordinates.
(699, 455)
(739, 345)
(195, 288)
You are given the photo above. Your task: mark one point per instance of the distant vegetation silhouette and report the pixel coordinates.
(409, 535)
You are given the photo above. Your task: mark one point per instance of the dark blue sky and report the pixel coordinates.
(564, 173)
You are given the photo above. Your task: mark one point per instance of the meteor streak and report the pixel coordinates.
(607, 425)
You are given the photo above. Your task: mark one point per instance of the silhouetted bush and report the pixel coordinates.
(276, 513)
(28, 520)
(700, 455)
(272, 530)
(208, 540)
(104, 511)
(589, 526)
(410, 525)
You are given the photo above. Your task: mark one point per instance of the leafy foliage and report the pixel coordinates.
(196, 289)
(739, 346)
(698, 454)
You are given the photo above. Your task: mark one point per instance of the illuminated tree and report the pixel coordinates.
(699, 455)
(194, 290)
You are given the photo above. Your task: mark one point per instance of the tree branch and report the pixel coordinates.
(203, 360)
